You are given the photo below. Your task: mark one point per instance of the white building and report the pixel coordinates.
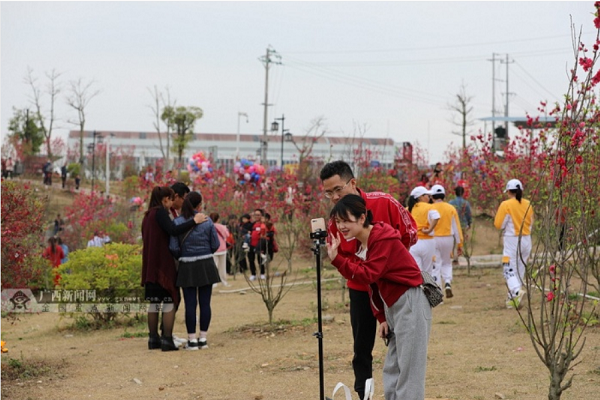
(225, 149)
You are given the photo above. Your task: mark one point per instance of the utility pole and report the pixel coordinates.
(237, 139)
(507, 94)
(493, 60)
(272, 57)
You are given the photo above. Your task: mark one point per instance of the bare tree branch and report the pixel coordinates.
(81, 94)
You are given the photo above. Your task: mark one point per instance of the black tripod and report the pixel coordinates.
(319, 240)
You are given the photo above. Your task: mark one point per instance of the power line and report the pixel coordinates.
(434, 61)
(533, 79)
(431, 47)
(364, 83)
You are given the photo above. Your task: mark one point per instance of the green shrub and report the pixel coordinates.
(112, 271)
(74, 169)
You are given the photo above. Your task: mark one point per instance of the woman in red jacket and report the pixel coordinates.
(55, 254)
(398, 302)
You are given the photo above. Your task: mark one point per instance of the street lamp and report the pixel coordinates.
(93, 148)
(107, 190)
(237, 141)
(285, 135)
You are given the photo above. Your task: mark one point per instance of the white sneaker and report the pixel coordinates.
(226, 284)
(202, 344)
(179, 341)
(245, 246)
(252, 277)
(262, 277)
(516, 302)
(192, 345)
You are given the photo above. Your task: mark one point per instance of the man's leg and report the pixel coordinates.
(364, 328)
(251, 257)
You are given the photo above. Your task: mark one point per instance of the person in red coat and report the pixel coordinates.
(397, 300)
(158, 266)
(55, 254)
(339, 181)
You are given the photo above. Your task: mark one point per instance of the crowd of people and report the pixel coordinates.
(380, 246)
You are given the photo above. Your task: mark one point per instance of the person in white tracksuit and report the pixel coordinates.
(447, 233)
(426, 218)
(515, 218)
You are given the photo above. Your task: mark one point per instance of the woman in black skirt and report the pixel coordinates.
(197, 270)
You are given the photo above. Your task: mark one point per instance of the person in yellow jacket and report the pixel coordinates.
(426, 218)
(447, 233)
(515, 218)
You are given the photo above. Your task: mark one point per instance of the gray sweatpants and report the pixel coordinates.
(406, 360)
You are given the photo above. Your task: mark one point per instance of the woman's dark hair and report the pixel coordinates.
(518, 192)
(459, 191)
(411, 202)
(59, 240)
(351, 204)
(190, 203)
(180, 189)
(214, 216)
(52, 243)
(157, 196)
(340, 168)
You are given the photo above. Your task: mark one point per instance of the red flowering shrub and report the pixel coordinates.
(23, 237)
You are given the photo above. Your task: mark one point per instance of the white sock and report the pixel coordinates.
(192, 337)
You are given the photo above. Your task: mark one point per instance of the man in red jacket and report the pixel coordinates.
(338, 181)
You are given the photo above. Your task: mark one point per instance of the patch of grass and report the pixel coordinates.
(485, 369)
(84, 322)
(446, 323)
(22, 369)
(129, 335)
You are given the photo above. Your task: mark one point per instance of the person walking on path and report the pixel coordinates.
(463, 208)
(63, 175)
(447, 233)
(158, 266)
(220, 255)
(338, 181)
(515, 218)
(197, 269)
(398, 302)
(426, 218)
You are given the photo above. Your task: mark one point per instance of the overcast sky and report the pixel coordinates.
(385, 69)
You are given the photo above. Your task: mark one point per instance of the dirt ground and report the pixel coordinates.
(477, 350)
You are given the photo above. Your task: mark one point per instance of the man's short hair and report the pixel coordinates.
(338, 167)
(180, 189)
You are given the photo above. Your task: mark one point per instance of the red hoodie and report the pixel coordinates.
(389, 269)
(384, 208)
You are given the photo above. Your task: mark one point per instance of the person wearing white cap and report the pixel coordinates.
(447, 232)
(515, 218)
(426, 218)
